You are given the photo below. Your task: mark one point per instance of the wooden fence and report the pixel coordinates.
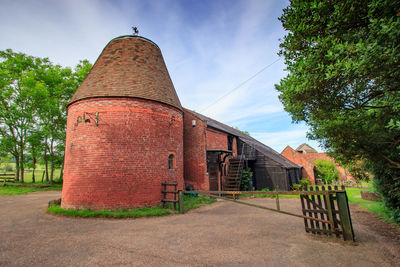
(177, 195)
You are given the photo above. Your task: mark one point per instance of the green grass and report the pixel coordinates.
(10, 190)
(354, 196)
(38, 173)
(195, 202)
(133, 213)
(189, 204)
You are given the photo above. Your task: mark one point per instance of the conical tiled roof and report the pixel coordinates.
(129, 66)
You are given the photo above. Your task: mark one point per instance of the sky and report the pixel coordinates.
(222, 55)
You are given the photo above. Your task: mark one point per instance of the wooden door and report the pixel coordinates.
(212, 169)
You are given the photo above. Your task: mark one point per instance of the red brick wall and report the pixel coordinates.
(195, 165)
(121, 162)
(219, 140)
(196, 142)
(306, 160)
(216, 139)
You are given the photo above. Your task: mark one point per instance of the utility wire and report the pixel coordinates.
(238, 86)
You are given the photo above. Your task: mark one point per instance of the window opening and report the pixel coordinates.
(171, 161)
(230, 142)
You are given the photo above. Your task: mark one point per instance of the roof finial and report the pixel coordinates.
(135, 30)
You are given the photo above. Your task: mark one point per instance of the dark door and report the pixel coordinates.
(212, 169)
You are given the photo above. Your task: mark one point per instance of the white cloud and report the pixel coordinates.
(279, 140)
(208, 52)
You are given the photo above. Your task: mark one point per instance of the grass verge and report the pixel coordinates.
(354, 196)
(10, 190)
(133, 213)
(192, 202)
(189, 204)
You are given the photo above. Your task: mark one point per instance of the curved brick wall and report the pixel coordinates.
(121, 162)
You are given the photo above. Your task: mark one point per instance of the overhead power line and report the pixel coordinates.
(238, 86)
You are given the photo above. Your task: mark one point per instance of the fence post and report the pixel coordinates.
(345, 218)
(180, 202)
(330, 213)
(278, 207)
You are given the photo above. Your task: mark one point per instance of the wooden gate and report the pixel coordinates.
(324, 210)
(327, 211)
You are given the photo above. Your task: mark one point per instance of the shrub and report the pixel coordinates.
(247, 180)
(387, 183)
(359, 173)
(326, 170)
(302, 182)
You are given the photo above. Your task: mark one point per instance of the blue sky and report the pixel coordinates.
(210, 48)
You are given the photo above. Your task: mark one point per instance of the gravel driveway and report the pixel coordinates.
(221, 234)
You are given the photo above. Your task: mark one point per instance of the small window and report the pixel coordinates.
(230, 142)
(171, 159)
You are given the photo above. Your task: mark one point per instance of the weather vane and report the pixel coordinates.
(135, 30)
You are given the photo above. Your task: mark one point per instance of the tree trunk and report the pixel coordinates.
(22, 162)
(62, 172)
(34, 169)
(52, 161)
(17, 168)
(46, 164)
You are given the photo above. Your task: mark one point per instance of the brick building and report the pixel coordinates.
(223, 146)
(305, 156)
(127, 133)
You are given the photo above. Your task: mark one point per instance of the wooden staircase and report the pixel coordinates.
(234, 178)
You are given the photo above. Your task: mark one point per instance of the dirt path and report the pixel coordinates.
(221, 234)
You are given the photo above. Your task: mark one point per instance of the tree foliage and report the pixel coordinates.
(326, 171)
(344, 77)
(33, 98)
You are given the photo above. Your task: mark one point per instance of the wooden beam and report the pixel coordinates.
(265, 208)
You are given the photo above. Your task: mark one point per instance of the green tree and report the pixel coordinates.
(5, 160)
(326, 170)
(344, 75)
(33, 97)
(61, 84)
(20, 96)
(34, 150)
